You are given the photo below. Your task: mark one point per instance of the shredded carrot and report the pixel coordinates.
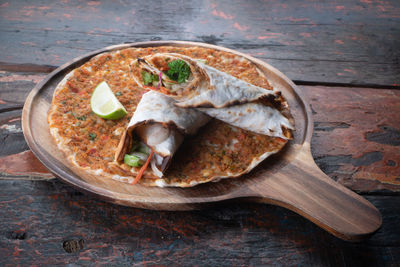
(164, 90)
(144, 167)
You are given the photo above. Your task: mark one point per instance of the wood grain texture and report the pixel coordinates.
(11, 136)
(39, 217)
(302, 187)
(356, 137)
(355, 42)
(361, 156)
(294, 181)
(14, 88)
(23, 166)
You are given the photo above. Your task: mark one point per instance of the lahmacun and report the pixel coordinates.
(211, 152)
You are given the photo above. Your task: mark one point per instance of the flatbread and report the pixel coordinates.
(219, 95)
(161, 126)
(217, 151)
(207, 86)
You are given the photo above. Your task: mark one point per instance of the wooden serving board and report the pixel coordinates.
(290, 179)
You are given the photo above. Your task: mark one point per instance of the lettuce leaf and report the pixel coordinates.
(148, 78)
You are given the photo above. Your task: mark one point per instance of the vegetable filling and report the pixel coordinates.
(171, 77)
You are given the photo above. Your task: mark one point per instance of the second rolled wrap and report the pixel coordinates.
(160, 125)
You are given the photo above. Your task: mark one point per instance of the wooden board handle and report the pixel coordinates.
(302, 187)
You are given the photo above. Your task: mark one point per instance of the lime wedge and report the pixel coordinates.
(104, 103)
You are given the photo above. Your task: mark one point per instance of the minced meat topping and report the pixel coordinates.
(218, 149)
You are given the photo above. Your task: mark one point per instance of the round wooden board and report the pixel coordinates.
(290, 178)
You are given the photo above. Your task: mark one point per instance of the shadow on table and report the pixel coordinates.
(233, 232)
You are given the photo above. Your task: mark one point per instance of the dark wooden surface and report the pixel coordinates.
(339, 41)
(42, 221)
(330, 48)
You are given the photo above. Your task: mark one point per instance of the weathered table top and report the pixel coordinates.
(344, 55)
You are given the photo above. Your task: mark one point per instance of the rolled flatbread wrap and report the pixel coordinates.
(255, 117)
(161, 125)
(204, 87)
(217, 94)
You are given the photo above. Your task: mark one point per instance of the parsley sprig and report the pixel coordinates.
(178, 71)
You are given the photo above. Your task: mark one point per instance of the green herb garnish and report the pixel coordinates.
(81, 118)
(92, 136)
(132, 160)
(149, 78)
(118, 93)
(178, 71)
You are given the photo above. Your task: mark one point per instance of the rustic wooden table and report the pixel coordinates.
(344, 55)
